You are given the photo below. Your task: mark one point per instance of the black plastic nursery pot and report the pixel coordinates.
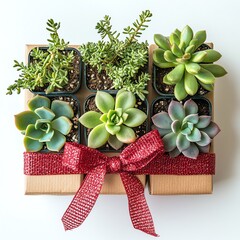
(163, 89)
(74, 75)
(90, 105)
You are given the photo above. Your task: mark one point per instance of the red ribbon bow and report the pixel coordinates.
(133, 158)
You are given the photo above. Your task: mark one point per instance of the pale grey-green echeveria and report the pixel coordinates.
(45, 122)
(191, 67)
(115, 122)
(184, 131)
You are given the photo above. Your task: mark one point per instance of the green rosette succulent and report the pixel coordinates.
(184, 131)
(46, 123)
(192, 67)
(114, 122)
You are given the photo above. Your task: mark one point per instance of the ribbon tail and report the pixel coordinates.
(138, 208)
(85, 198)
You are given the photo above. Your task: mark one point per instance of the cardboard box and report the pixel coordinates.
(69, 184)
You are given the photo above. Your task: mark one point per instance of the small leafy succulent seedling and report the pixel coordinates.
(122, 60)
(48, 69)
(184, 131)
(192, 67)
(45, 122)
(114, 122)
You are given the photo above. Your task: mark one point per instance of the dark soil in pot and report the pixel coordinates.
(140, 130)
(74, 74)
(164, 89)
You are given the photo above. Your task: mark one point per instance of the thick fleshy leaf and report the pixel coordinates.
(159, 59)
(194, 136)
(179, 91)
(47, 136)
(176, 126)
(23, 119)
(186, 35)
(114, 142)
(192, 68)
(32, 145)
(212, 56)
(162, 120)
(176, 74)
(43, 124)
(204, 149)
(211, 130)
(163, 132)
(190, 107)
(190, 49)
(174, 39)
(205, 76)
(205, 140)
(126, 135)
(186, 131)
(166, 81)
(208, 87)
(176, 50)
(98, 136)
(161, 41)
(112, 129)
(176, 111)
(192, 118)
(201, 37)
(33, 133)
(169, 141)
(182, 143)
(174, 153)
(216, 70)
(135, 117)
(91, 119)
(203, 121)
(169, 56)
(198, 57)
(45, 113)
(62, 124)
(57, 142)
(104, 101)
(192, 151)
(190, 84)
(125, 100)
(38, 101)
(61, 108)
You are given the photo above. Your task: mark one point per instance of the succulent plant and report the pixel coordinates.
(45, 122)
(114, 122)
(184, 131)
(192, 67)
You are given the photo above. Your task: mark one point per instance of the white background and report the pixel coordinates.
(198, 217)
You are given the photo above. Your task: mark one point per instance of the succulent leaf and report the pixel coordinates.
(125, 100)
(135, 117)
(112, 129)
(91, 119)
(186, 35)
(190, 84)
(98, 136)
(176, 126)
(45, 113)
(159, 59)
(205, 140)
(126, 135)
(190, 49)
(179, 91)
(32, 145)
(104, 101)
(176, 74)
(176, 111)
(182, 142)
(211, 56)
(114, 142)
(174, 39)
(204, 121)
(162, 120)
(169, 141)
(194, 136)
(57, 142)
(198, 57)
(37, 102)
(205, 76)
(204, 149)
(47, 136)
(192, 118)
(216, 70)
(169, 56)
(208, 87)
(176, 50)
(23, 119)
(212, 130)
(163, 131)
(193, 68)
(33, 133)
(161, 41)
(61, 108)
(190, 107)
(191, 152)
(174, 153)
(62, 124)
(201, 37)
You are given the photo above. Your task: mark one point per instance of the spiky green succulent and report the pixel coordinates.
(114, 122)
(45, 123)
(184, 131)
(192, 67)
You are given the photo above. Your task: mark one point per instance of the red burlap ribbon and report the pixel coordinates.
(145, 156)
